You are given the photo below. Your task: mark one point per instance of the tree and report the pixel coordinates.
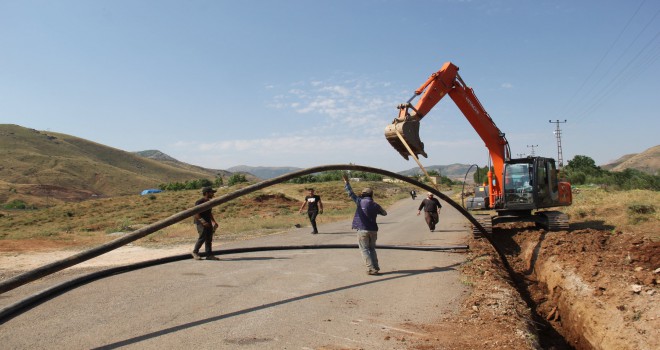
(584, 164)
(481, 175)
(236, 178)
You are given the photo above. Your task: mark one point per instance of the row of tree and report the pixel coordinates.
(336, 175)
(199, 183)
(582, 170)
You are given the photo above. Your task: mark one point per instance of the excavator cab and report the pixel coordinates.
(531, 183)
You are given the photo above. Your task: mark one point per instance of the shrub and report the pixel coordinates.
(235, 179)
(18, 204)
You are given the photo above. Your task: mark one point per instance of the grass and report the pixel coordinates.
(269, 211)
(275, 209)
(616, 210)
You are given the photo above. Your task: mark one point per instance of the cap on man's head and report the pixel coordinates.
(208, 189)
(368, 191)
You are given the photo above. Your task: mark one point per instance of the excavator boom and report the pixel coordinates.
(516, 187)
(405, 128)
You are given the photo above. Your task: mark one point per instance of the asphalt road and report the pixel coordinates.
(298, 299)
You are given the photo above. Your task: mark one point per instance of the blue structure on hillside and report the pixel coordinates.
(152, 190)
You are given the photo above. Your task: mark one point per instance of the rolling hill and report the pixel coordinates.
(63, 167)
(263, 172)
(453, 171)
(647, 161)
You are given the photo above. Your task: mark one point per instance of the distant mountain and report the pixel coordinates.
(453, 171)
(647, 161)
(263, 172)
(43, 164)
(164, 158)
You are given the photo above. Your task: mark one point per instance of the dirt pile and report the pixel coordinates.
(582, 289)
(596, 288)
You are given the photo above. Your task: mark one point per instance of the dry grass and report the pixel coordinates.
(616, 210)
(264, 212)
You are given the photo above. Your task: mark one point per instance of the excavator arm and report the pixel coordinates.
(443, 82)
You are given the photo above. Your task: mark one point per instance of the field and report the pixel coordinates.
(591, 287)
(88, 223)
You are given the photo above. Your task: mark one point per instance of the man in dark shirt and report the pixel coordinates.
(314, 208)
(431, 208)
(206, 226)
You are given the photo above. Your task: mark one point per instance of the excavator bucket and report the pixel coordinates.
(409, 130)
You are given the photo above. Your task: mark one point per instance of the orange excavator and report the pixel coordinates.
(516, 188)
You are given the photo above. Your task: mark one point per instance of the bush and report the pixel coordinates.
(638, 213)
(641, 209)
(235, 179)
(18, 204)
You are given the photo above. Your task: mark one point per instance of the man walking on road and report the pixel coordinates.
(364, 222)
(431, 208)
(314, 208)
(206, 226)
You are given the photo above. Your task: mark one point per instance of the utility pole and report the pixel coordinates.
(560, 157)
(532, 147)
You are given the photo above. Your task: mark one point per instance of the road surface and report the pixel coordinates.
(297, 299)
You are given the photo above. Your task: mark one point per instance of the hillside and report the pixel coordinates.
(164, 158)
(39, 164)
(452, 171)
(647, 161)
(263, 172)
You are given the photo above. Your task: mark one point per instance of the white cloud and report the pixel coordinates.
(507, 85)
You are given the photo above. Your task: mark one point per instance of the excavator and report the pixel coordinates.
(516, 188)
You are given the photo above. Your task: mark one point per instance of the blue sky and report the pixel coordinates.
(307, 83)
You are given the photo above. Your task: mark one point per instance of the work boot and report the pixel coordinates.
(211, 257)
(196, 256)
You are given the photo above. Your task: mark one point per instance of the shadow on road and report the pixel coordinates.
(337, 233)
(394, 275)
(253, 258)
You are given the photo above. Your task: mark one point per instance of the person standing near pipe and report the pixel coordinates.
(314, 208)
(206, 226)
(364, 222)
(431, 208)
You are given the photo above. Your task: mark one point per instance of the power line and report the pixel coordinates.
(568, 105)
(594, 93)
(532, 147)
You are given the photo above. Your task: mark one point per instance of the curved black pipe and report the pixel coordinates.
(51, 268)
(21, 306)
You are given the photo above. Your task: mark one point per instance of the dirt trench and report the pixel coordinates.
(596, 289)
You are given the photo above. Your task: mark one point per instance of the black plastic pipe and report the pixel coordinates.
(56, 266)
(23, 305)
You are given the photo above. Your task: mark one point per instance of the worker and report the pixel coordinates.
(431, 208)
(314, 208)
(206, 226)
(413, 194)
(364, 222)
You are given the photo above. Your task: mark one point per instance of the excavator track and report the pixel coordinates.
(553, 220)
(486, 221)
